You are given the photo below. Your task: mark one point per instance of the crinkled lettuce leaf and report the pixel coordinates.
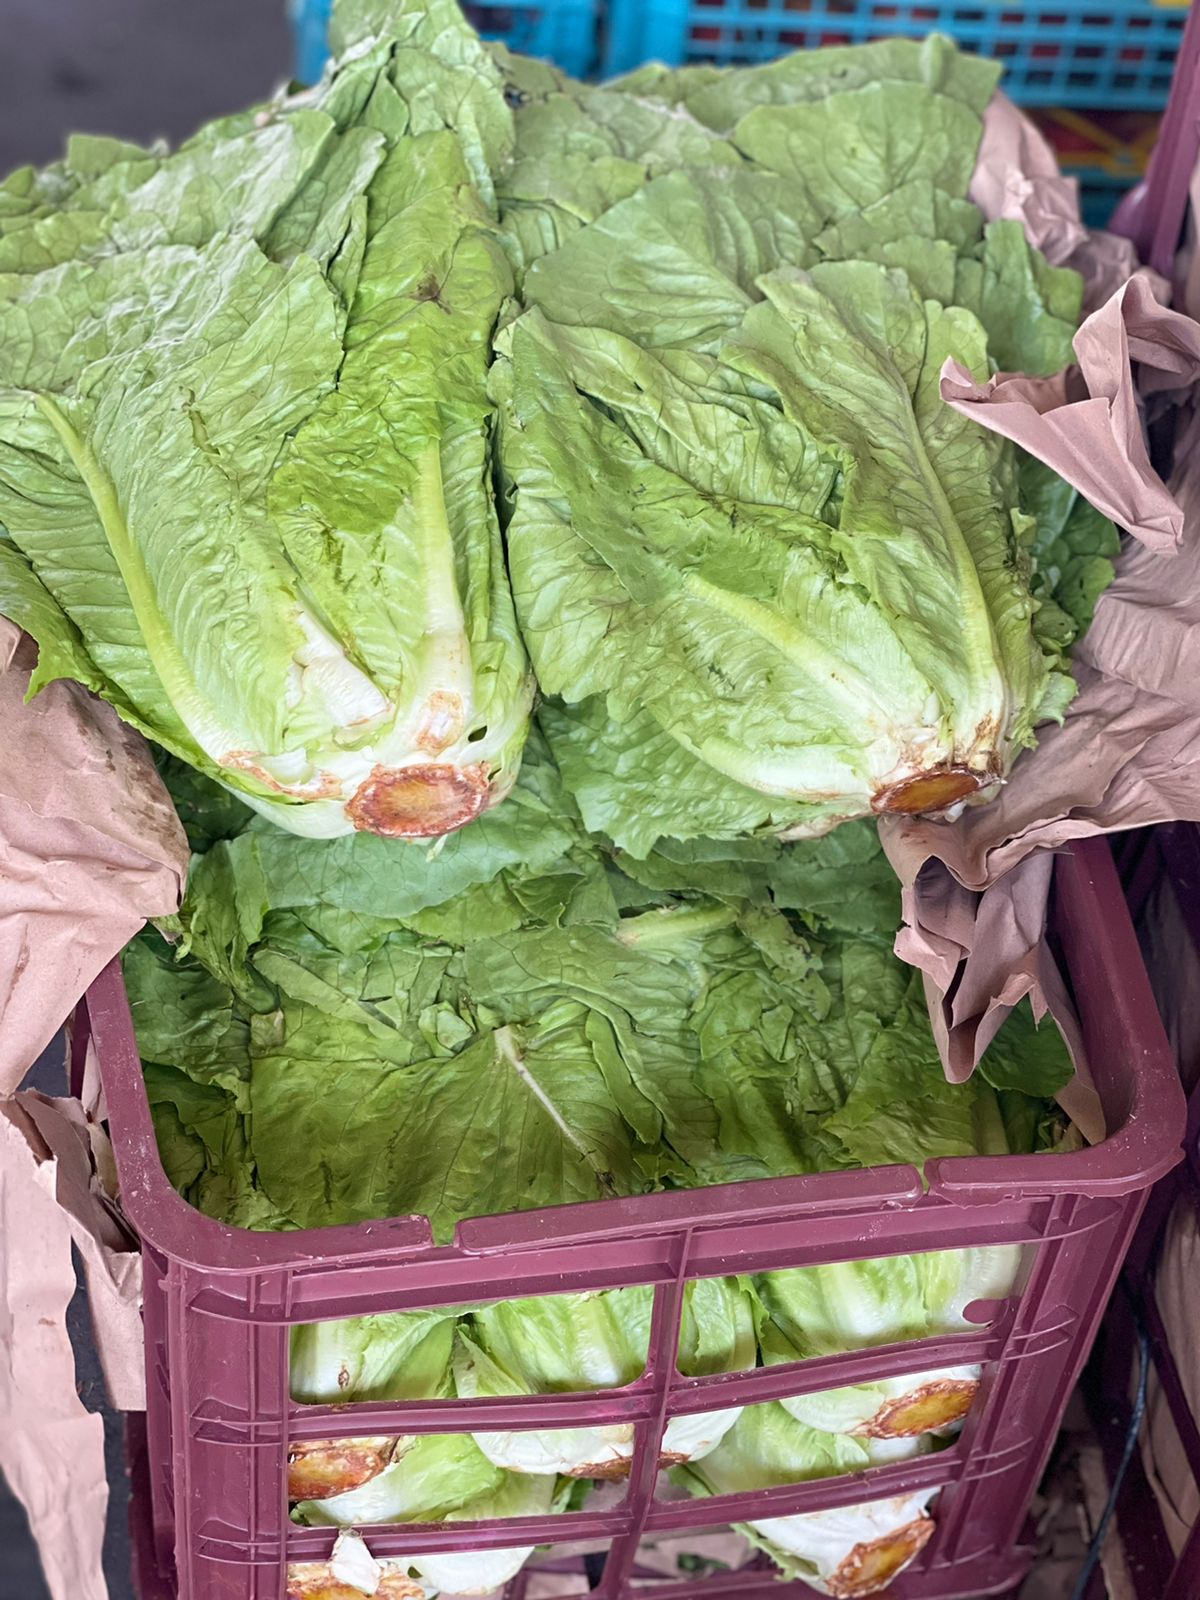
(794, 647)
(524, 1017)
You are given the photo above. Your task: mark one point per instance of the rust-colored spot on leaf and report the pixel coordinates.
(419, 802)
(871, 1566)
(929, 791)
(326, 1467)
(325, 786)
(429, 290)
(441, 722)
(938, 1404)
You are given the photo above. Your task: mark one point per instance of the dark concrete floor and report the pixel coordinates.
(140, 69)
(20, 1571)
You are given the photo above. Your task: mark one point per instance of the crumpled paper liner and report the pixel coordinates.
(1017, 179)
(51, 1447)
(1086, 422)
(1127, 754)
(90, 848)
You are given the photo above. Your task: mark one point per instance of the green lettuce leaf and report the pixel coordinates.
(399, 1355)
(1074, 550)
(525, 1017)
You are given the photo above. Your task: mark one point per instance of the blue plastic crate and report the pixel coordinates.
(562, 31)
(1061, 52)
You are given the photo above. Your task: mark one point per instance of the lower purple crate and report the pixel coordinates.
(219, 1303)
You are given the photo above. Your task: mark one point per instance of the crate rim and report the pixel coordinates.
(1146, 1146)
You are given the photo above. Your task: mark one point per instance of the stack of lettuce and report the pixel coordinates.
(259, 395)
(309, 432)
(524, 1016)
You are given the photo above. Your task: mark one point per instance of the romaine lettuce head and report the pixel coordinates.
(443, 1478)
(245, 440)
(557, 1344)
(851, 1305)
(400, 1355)
(851, 1551)
(774, 580)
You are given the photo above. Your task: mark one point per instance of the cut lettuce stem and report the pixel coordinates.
(325, 1467)
(316, 1580)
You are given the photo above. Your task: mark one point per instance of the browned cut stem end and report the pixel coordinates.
(929, 791)
(335, 1466)
(618, 1471)
(314, 1581)
(603, 1471)
(419, 802)
(871, 1566)
(939, 1404)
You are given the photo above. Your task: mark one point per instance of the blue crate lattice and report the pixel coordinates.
(1061, 52)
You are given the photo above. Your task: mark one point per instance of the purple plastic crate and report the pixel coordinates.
(219, 1302)
(1153, 213)
(1156, 1571)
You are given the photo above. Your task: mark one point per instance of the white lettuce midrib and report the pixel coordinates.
(509, 1053)
(443, 656)
(989, 690)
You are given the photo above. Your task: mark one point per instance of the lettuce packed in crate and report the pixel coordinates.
(526, 1018)
(554, 1344)
(846, 1551)
(444, 1478)
(852, 1305)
